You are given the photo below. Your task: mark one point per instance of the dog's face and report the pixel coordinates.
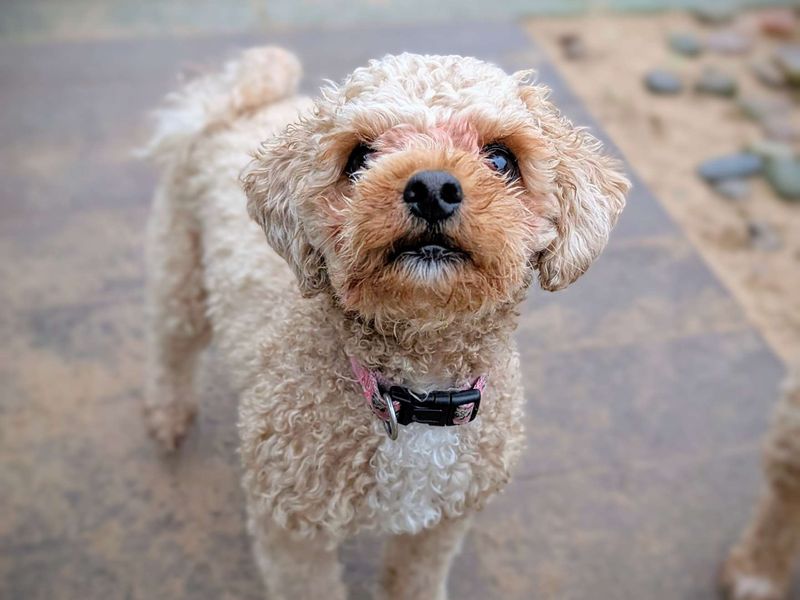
(428, 187)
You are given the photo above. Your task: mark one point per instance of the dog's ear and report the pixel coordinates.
(276, 183)
(589, 190)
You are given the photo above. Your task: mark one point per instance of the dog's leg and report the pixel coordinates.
(760, 565)
(177, 327)
(416, 566)
(294, 567)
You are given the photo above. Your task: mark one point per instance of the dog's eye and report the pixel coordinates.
(357, 160)
(502, 160)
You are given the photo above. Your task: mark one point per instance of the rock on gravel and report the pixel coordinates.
(686, 44)
(744, 164)
(778, 22)
(717, 83)
(759, 108)
(661, 81)
(783, 175)
(770, 149)
(733, 189)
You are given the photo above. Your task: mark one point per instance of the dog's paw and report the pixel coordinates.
(168, 425)
(741, 581)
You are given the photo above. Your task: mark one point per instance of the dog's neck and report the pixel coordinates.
(450, 355)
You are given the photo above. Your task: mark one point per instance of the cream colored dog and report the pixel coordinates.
(761, 565)
(408, 211)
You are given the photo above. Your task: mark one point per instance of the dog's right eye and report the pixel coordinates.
(357, 160)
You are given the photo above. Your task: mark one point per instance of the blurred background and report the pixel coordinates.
(649, 381)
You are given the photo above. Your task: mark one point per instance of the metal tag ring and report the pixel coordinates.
(391, 425)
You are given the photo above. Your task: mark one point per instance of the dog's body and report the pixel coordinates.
(318, 465)
(761, 564)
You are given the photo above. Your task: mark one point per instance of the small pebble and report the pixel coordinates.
(759, 108)
(714, 13)
(767, 149)
(715, 82)
(778, 22)
(788, 60)
(768, 73)
(763, 236)
(572, 46)
(660, 81)
(687, 44)
(744, 164)
(733, 189)
(783, 174)
(729, 41)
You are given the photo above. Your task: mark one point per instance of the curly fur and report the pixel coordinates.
(760, 565)
(317, 466)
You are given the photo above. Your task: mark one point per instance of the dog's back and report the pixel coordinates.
(205, 258)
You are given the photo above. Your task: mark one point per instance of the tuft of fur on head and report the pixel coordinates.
(341, 235)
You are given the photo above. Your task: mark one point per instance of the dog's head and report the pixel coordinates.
(432, 186)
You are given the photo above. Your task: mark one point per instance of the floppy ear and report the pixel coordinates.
(589, 190)
(275, 184)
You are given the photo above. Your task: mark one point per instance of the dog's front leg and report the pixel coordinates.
(416, 566)
(294, 567)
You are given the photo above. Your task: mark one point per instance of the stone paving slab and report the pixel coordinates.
(648, 390)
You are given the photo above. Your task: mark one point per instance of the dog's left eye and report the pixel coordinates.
(357, 160)
(502, 160)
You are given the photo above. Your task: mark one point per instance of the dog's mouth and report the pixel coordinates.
(431, 247)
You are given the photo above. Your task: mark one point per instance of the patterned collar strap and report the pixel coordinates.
(398, 405)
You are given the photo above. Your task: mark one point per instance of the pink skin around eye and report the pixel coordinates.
(455, 132)
(462, 134)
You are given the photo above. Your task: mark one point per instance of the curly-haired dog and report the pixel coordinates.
(760, 566)
(408, 209)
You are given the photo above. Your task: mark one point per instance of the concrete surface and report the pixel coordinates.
(82, 19)
(648, 391)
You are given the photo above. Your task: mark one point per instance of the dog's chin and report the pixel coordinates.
(431, 257)
(429, 277)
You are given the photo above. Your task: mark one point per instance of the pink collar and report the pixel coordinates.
(437, 408)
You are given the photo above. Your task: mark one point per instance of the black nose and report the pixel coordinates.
(433, 195)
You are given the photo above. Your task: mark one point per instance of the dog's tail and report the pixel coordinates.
(255, 78)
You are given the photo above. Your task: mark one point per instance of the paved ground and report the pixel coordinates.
(82, 19)
(648, 390)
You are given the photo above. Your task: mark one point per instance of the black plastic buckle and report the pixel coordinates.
(436, 408)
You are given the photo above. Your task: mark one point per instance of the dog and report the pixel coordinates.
(760, 565)
(408, 210)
